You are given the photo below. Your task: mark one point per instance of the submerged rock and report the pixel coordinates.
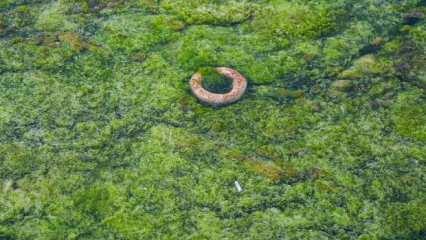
(413, 17)
(73, 40)
(341, 85)
(364, 66)
(278, 92)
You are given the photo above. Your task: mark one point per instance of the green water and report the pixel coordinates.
(101, 137)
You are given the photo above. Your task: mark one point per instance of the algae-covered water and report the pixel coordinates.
(101, 137)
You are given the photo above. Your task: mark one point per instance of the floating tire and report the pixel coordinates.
(239, 86)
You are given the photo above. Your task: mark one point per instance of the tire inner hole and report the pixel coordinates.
(215, 82)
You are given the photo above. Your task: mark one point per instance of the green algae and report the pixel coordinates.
(409, 115)
(214, 82)
(101, 138)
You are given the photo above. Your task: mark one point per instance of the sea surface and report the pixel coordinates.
(102, 138)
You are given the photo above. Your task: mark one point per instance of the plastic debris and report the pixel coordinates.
(238, 186)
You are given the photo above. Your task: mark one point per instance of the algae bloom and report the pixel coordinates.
(101, 137)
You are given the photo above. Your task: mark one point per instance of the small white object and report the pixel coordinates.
(238, 186)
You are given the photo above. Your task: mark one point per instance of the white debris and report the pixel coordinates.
(7, 185)
(238, 186)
